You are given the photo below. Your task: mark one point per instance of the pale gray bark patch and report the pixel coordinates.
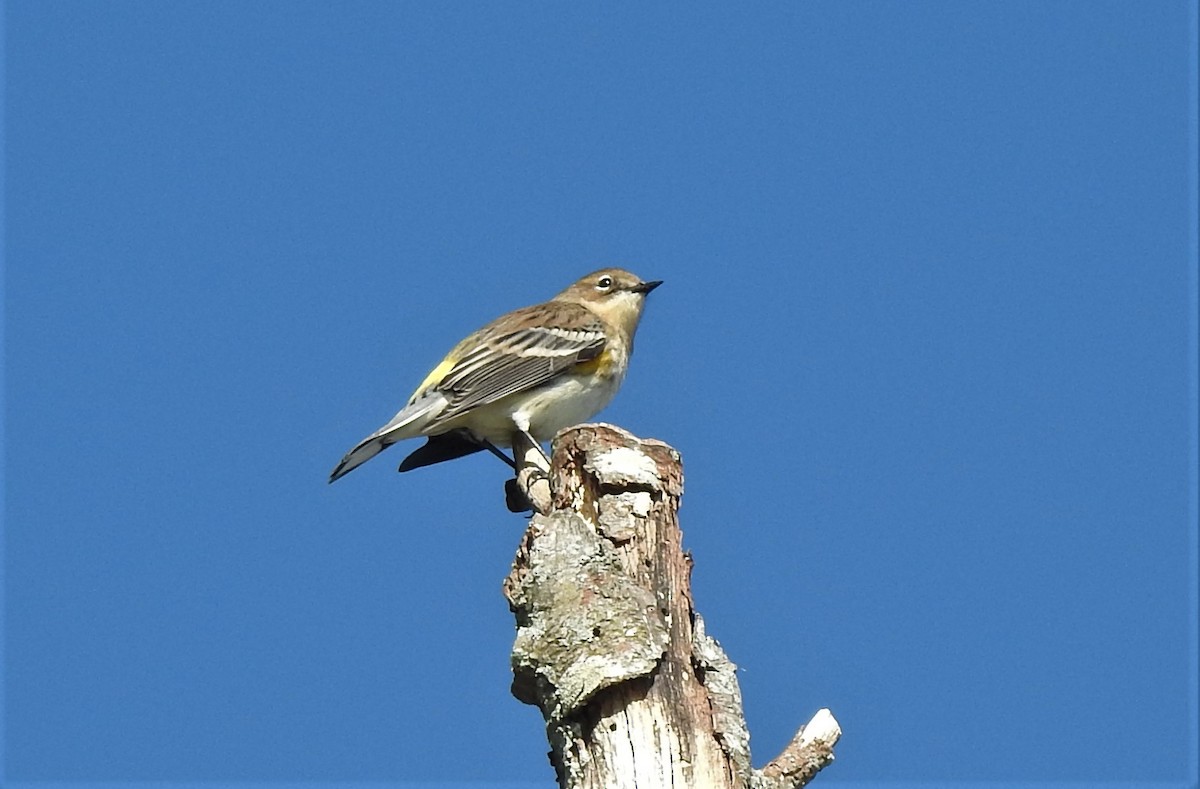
(584, 624)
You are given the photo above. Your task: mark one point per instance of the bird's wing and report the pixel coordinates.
(497, 362)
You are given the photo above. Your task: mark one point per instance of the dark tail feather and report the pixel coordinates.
(447, 446)
(366, 450)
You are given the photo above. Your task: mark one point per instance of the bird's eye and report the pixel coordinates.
(604, 283)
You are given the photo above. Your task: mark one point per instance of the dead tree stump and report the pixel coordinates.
(609, 645)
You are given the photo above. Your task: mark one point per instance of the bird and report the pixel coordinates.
(532, 371)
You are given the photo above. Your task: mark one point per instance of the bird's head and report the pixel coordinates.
(614, 294)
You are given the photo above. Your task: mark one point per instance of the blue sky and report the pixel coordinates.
(927, 344)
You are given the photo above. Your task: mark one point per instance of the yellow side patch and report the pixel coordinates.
(435, 376)
(601, 365)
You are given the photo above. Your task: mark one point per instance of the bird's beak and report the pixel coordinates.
(646, 287)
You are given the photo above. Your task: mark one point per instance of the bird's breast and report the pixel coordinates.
(566, 402)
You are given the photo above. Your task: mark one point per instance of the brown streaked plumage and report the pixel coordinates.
(537, 370)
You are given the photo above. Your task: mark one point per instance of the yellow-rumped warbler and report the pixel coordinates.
(535, 370)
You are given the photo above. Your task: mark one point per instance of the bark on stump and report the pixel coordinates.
(609, 645)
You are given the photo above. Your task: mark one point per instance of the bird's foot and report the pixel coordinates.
(531, 488)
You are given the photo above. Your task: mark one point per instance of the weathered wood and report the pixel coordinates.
(609, 646)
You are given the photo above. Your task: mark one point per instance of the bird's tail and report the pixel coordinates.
(406, 424)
